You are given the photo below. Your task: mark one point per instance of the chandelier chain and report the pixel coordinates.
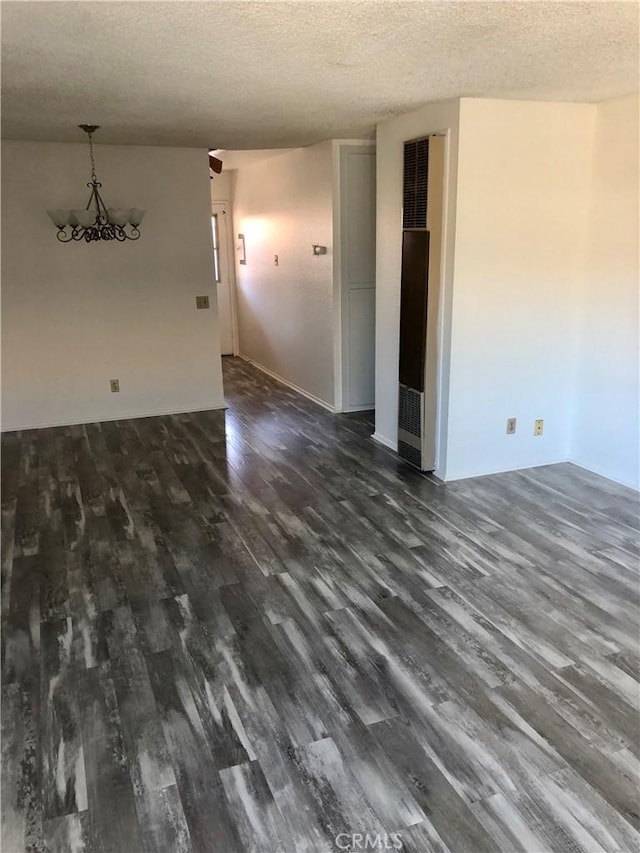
(94, 177)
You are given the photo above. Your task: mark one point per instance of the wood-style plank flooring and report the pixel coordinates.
(274, 641)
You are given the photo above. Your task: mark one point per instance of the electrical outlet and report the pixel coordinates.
(511, 426)
(202, 301)
(538, 426)
(114, 384)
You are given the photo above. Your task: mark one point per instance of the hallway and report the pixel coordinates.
(273, 641)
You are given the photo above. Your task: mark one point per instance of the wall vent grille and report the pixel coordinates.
(416, 176)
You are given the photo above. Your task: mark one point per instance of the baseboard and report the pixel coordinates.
(108, 418)
(351, 409)
(385, 442)
(600, 473)
(380, 439)
(452, 479)
(286, 382)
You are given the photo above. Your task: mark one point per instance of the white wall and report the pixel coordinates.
(605, 428)
(285, 313)
(391, 135)
(523, 194)
(222, 186)
(540, 308)
(75, 316)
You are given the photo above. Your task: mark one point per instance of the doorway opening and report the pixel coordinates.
(296, 229)
(221, 228)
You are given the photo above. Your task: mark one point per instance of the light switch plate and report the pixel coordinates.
(202, 301)
(242, 250)
(114, 384)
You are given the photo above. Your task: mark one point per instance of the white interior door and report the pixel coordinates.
(222, 268)
(358, 275)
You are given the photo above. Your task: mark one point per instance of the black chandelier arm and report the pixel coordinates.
(100, 205)
(98, 232)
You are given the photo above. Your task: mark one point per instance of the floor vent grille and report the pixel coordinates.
(410, 406)
(410, 454)
(410, 411)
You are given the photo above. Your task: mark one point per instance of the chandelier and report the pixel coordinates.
(96, 221)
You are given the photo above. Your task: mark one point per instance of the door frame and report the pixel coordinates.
(224, 208)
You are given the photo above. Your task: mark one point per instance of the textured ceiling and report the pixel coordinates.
(238, 159)
(239, 75)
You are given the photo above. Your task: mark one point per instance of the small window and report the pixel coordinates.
(216, 247)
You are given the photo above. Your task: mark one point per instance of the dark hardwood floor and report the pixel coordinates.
(274, 641)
